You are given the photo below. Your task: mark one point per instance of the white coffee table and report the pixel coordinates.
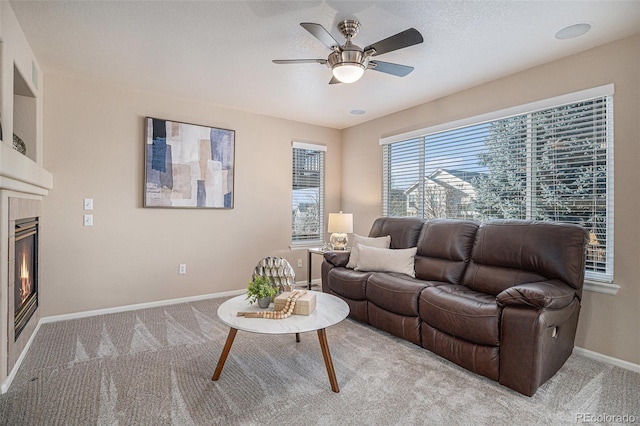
(329, 311)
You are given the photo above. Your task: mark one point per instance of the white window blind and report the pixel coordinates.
(551, 164)
(307, 208)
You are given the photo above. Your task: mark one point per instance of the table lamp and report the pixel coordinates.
(340, 224)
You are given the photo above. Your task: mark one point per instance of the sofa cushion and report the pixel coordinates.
(444, 248)
(386, 260)
(395, 293)
(493, 280)
(462, 313)
(480, 359)
(380, 242)
(348, 283)
(404, 231)
(406, 327)
(534, 251)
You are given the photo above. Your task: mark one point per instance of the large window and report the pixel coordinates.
(307, 207)
(552, 163)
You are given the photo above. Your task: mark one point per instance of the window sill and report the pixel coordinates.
(306, 245)
(599, 287)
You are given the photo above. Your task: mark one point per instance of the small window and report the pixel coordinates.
(307, 206)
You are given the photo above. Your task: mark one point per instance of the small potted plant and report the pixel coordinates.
(261, 290)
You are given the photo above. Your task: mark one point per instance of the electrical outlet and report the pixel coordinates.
(299, 263)
(88, 220)
(182, 269)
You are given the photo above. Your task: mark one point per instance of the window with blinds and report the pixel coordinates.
(307, 207)
(552, 164)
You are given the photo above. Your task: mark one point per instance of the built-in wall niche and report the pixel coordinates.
(24, 114)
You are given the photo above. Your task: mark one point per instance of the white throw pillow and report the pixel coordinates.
(380, 242)
(387, 260)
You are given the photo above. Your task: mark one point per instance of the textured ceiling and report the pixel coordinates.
(220, 52)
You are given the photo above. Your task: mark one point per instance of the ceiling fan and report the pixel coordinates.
(348, 61)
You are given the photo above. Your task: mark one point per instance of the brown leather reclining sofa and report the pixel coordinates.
(499, 298)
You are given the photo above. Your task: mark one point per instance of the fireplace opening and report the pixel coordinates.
(26, 272)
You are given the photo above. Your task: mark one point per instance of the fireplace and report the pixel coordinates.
(22, 295)
(25, 291)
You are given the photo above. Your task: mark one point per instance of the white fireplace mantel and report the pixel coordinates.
(20, 173)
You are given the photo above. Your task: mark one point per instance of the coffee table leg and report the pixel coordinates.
(225, 353)
(298, 337)
(322, 336)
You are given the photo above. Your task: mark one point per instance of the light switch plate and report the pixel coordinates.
(88, 220)
(88, 203)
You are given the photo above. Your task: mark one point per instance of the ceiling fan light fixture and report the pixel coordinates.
(348, 73)
(348, 61)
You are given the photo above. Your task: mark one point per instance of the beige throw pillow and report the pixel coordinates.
(380, 242)
(387, 260)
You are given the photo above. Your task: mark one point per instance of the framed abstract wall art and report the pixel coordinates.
(188, 166)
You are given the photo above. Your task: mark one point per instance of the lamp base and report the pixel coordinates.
(338, 241)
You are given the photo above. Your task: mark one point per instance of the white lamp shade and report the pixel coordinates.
(348, 73)
(341, 223)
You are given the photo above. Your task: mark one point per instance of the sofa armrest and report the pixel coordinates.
(337, 258)
(552, 294)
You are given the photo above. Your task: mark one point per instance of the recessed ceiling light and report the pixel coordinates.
(358, 111)
(573, 31)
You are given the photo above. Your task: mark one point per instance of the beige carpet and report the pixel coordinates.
(154, 367)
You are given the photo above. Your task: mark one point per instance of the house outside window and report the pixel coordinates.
(553, 163)
(307, 207)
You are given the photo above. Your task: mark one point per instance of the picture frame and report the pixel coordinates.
(188, 165)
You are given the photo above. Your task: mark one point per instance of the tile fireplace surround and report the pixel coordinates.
(19, 208)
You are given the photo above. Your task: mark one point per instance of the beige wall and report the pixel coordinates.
(608, 324)
(94, 139)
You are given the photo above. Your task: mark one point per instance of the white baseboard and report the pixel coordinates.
(607, 359)
(64, 317)
(304, 283)
(4, 387)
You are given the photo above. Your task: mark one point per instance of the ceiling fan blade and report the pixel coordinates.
(319, 32)
(334, 81)
(401, 40)
(389, 68)
(300, 61)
